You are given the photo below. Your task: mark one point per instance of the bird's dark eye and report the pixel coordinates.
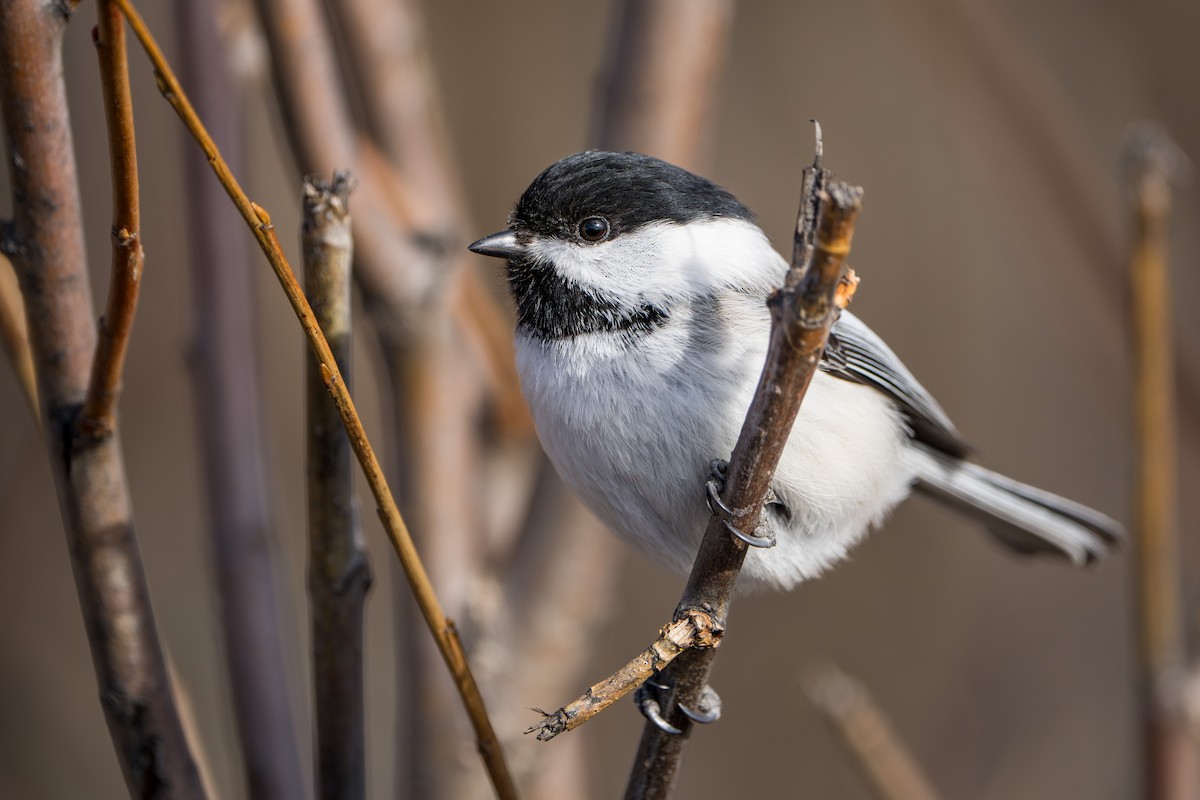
(593, 229)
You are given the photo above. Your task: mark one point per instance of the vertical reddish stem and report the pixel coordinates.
(99, 409)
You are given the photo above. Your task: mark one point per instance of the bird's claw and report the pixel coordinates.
(647, 697)
(763, 536)
(708, 710)
(652, 711)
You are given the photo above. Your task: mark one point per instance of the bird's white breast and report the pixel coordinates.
(632, 422)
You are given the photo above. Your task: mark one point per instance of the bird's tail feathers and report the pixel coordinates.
(1025, 518)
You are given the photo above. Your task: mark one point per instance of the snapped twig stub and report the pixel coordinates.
(694, 629)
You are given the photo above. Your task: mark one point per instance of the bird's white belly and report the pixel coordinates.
(632, 427)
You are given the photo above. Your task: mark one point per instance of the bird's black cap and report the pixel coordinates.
(628, 189)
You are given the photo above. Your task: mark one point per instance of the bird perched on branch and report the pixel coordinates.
(642, 328)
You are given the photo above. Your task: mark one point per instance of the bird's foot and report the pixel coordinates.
(651, 695)
(763, 535)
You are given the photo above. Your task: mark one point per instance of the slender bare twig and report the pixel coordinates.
(16, 337)
(869, 739)
(258, 220)
(801, 314)
(225, 381)
(663, 66)
(99, 409)
(45, 243)
(339, 573)
(1171, 764)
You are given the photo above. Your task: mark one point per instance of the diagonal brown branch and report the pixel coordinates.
(99, 409)
(259, 221)
(801, 315)
(45, 243)
(339, 574)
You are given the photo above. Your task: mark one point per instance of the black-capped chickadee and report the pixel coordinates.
(642, 328)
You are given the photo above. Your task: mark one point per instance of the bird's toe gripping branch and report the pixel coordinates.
(764, 534)
(651, 696)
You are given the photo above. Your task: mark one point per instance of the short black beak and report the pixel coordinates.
(501, 245)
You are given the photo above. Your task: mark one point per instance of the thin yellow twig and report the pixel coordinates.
(256, 217)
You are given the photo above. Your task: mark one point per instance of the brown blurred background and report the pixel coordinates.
(998, 282)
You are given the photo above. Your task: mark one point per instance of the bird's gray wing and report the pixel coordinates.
(856, 353)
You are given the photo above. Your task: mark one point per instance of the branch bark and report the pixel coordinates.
(258, 220)
(801, 315)
(225, 379)
(339, 573)
(45, 243)
(1171, 763)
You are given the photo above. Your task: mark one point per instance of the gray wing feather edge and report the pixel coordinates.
(1026, 519)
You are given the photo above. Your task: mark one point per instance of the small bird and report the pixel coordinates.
(642, 328)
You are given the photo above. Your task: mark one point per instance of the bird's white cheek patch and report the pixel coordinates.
(663, 261)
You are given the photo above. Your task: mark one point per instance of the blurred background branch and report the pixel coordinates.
(225, 372)
(1153, 161)
(867, 735)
